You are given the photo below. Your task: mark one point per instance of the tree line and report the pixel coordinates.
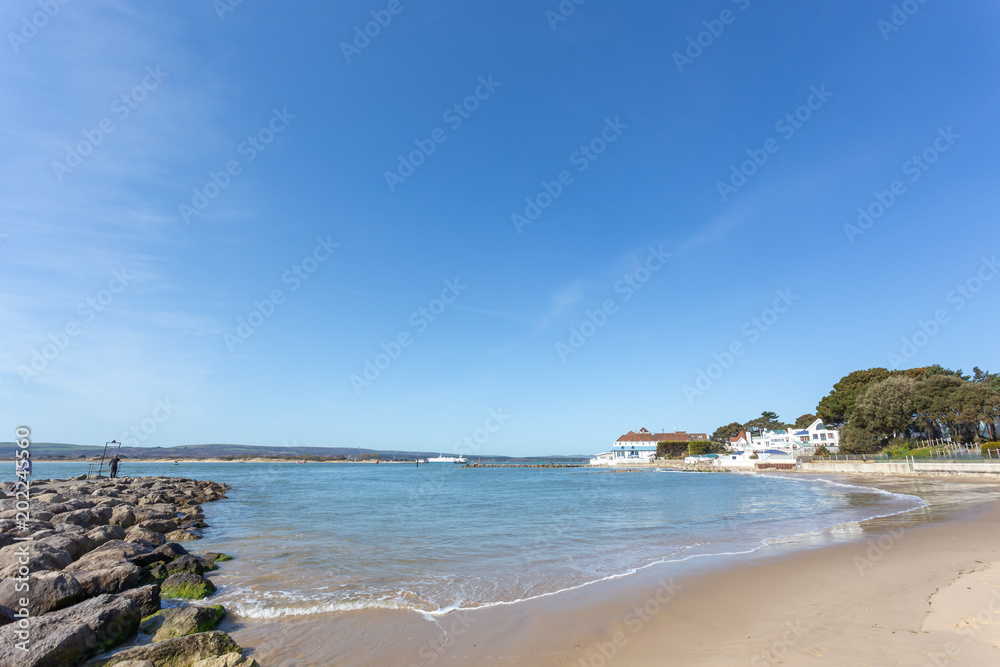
(879, 408)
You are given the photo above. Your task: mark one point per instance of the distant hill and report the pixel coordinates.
(211, 451)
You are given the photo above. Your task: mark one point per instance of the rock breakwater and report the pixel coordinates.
(84, 565)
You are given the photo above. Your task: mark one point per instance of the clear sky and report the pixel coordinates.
(170, 169)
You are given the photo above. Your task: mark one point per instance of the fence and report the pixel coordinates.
(937, 450)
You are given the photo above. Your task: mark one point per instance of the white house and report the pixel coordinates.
(810, 438)
(741, 442)
(625, 455)
(817, 434)
(640, 447)
(802, 441)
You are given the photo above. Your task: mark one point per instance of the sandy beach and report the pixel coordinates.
(922, 588)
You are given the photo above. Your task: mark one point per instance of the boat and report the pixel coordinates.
(300, 461)
(448, 459)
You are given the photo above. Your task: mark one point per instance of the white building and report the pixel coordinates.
(625, 455)
(750, 459)
(803, 441)
(741, 442)
(640, 447)
(810, 438)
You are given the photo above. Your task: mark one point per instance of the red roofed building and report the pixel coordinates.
(741, 442)
(645, 436)
(640, 447)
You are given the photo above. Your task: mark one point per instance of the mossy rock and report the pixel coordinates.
(153, 574)
(211, 617)
(191, 564)
(180, 651)
(182, 621)
(212, 559)
(216, 557)
(182, 536)
(185, 585)
(230, 660)
(152, 623)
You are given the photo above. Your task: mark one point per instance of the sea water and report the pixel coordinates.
(328, 537)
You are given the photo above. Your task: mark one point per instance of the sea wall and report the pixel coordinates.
(903, 467)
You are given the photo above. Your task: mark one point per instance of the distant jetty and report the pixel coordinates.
(525, 465)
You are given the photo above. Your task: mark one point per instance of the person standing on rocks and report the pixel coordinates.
(114, 466)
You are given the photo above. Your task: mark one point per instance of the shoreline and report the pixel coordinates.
(751, 596)
(775, 604)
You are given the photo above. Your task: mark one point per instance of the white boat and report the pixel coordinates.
(448, 459)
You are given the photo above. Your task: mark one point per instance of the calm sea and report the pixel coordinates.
(324, 537)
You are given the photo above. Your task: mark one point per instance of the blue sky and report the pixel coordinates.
(161, 349)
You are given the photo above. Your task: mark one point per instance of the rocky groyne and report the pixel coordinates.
(86, 564)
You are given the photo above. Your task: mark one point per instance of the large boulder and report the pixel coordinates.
(113, 503)
(172, 550)
(104, 534)
(143, 535)
(154, 573)
(74, 543)
(109, 580)
(228, 660)
(123, 516)
(186, 586)
(46, 591)
(151, 512)
(38, 513)
(181, 621)
(112, 552)
(179, 652)
(64, 507)
(188, 563)
(24, 528)
(155, 499)
(71, 635)
(182, 536)
(147, 597)
(160, 525)
(39, 556)
(95, 516)
(213, 558)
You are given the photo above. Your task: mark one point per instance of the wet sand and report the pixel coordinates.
(922, 588)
